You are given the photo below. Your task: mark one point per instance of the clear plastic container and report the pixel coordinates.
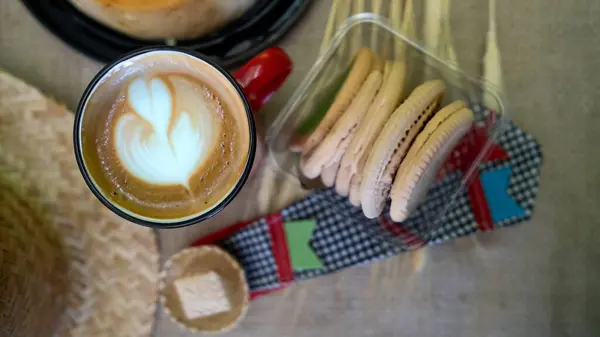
(374, 32)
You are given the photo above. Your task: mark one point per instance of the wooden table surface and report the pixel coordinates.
(537, 279)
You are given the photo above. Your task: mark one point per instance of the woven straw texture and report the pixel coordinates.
(199, 260)
(113, 265)
(33, 268)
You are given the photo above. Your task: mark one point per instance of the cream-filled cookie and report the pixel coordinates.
(354, 159)
(429, 151)
(330, 151)
(361, 68)
(393, 142)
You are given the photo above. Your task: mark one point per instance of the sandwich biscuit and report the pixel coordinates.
(387, 99)
(393, 142)
(363, 65)
(330, 151)
(429, 151)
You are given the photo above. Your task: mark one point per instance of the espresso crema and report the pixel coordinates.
(165, 136)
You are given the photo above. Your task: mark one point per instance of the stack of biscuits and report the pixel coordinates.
(374, 144)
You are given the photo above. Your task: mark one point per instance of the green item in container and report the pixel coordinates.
(324, 101)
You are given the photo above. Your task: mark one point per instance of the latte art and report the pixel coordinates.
(171, 127)
(166, 136)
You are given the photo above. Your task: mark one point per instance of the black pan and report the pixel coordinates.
(259, 28)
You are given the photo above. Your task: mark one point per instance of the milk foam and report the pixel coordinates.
(168, 132)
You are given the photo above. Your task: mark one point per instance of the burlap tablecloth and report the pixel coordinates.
(539, 279)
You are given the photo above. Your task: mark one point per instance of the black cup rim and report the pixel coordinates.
(148, 223)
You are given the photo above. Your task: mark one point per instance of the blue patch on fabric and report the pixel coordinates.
(495, 186)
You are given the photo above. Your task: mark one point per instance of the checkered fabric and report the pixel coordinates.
(252, 248)
(525, 161)
(343, 237)
(446, 220)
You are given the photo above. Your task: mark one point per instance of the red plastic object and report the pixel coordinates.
(260, 78)
(263, 75)
(280, 250)
(476, 142)
(260, 293)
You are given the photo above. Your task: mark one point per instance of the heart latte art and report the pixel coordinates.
(171, 127)
(167, 140)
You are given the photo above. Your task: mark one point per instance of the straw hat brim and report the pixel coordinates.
(113, 264)
(33, 267)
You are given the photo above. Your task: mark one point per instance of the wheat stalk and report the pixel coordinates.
(376, 7)
(357, 33)
(329, 28)
(408, 23)
(447, 45)
(492, 68)
(432, 28)
(396, 18)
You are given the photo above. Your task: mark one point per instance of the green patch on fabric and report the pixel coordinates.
(298, 235)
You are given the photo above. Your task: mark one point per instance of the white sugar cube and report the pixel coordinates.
(202, 295)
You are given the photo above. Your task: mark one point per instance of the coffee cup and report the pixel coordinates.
(165, 138)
